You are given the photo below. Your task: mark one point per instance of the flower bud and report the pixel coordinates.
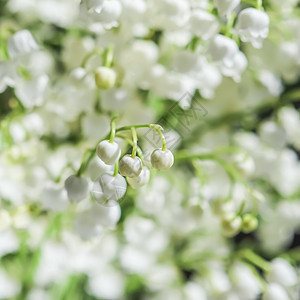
(140, 180)
(249, 223)
(105, 78)
(162, 159)
(77, 188)
(108, 152)
(130, 166)
(231, 225)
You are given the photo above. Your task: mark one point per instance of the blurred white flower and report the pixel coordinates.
(226, 55)
(107, 284)
(203, 24)
(225, 7)
(9, 287)
(32, 93)
(8, 242)
(252, 26)
(114, 100)
(282, 273)
(54, 197)
(275, 292)
(21, 43)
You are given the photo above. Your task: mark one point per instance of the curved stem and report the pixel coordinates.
(85, 162)
(112, 130)
(134, 137)
(159, 130)
(116, 171)
(255, 259)
(108, 57)
(259, 4)
(155, 127)
(138, 149)
(96, 51)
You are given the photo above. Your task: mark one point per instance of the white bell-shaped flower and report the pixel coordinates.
(252, 26)
(108, 189)
(227, 56)
(108, 152)
(130, 166)
(21, 43)
(225, 7)
(162, 159)
(141, 179)
(97, 167)
(203, 24)
(77, 188)
(32, 92)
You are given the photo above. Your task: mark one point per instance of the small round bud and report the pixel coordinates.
(231, 225)
(77, 188)
(108, 189)
(249, 223)
(105, 78)
(142, 179)
(108, 152)
(130, 166)
(162, 159)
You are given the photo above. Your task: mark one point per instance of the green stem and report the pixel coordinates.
(129, 141)
(259, 4)
(241, 209)
(229, 24)
(251, 2)
(89, 55)
(204, 156)
(134, 137)
(112, 130)
(116, 171)
(255, 259)
(159, 130)
(108, 57)
(85, 161)
(155, 127)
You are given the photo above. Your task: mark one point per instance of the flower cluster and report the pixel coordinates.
(109, 187)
